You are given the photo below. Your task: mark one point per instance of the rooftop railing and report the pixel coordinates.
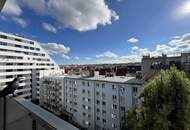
(20, 114)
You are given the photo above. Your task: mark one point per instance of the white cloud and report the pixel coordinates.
(107, 54)
(49, 27)
(12, 8)
(119, 0)
(20, 21)
(172, 48)
(12, 11)
(65, 57)
(81, 15)
(135, 48)
(76, 58)
(37, 5)
(88, 58)
(133, 40)
(55, 48)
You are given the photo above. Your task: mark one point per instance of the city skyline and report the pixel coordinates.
(101, 31)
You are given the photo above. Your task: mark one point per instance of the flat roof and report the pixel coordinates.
(116, 79)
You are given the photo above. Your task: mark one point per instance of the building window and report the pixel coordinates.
(122, 89)
(114, 125)
(98, 118)
(113, 116)
(114, 106)
(98, 127)
(75, 89)
(88, 84)
(97, 93)
(86, 123)
(84, 114)
(103, 111)
(135, 89)
(104, 121)
(3, 36)
(83, 83)
(122, 108)
(103, 85)
(114, 97)
(103, 95)
(86, 107)
(103, 103)
(83, 91)
(113, 87)
(97, 102)
(98, 110)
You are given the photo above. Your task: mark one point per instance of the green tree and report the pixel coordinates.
(166, 103)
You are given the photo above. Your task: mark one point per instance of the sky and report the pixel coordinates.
(101, 31)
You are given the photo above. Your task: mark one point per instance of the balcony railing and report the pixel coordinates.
(19, 114)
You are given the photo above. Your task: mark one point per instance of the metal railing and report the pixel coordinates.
(20, 114)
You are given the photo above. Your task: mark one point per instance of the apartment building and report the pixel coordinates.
(51, 94)
(22, 57)
(152, 65)
(95, 103)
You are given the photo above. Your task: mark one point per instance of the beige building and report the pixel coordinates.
(152, 65)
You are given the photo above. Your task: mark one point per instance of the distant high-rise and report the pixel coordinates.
(21, 57)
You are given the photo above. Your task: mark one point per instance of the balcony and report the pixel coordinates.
(23, 115)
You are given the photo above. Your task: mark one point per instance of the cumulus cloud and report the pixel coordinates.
(12, 11)
(20, 21)
(12, 8)
(119, 0)
(58, 49)
(55, 48)
(88, 58)
(76, 58)
(49, 27)
(174, 47)
(135, 48)
(133, 40)
(107, 54)
(80, 15)
(65, 57)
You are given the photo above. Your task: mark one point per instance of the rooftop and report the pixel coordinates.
(116, 79)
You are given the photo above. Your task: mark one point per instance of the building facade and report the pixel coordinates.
(21, 57)
(51, 94)
(99, 102)
(152, 65)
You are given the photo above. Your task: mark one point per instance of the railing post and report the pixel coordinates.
(34, 125)
(4, 112)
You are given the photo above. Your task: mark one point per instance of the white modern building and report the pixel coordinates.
(21, 57)
(98, 102)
